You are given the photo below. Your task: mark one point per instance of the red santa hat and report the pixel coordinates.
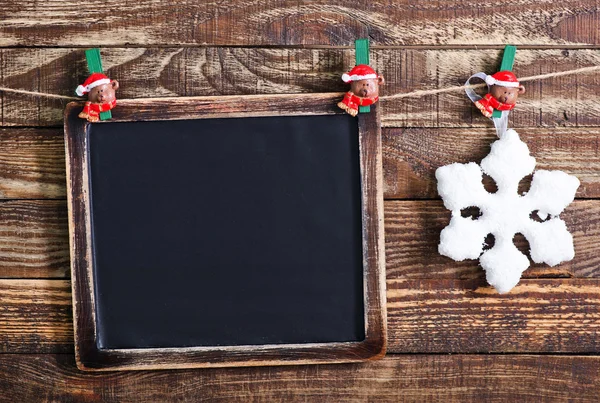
(92, 81)
(503, 79)
(360, 72)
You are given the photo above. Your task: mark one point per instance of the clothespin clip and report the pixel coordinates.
(361, 54)
(364, 82)
(508, 61)
(99, 89)
(503, 91)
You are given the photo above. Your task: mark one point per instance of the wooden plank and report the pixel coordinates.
(406, 378)
(424, 316)
(32, 164)
(36, 315)
(411, 156)
(543, 315)
(412, 231)
(29, 23)
(168, 72)
(32, 160)
(34, 239)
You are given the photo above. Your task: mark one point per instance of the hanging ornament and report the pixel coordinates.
(505, 212)
(100, 90)
(364, 88)
(364, 82)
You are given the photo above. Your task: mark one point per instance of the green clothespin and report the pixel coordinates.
(508, 61)
(94, 62)
(361, 47)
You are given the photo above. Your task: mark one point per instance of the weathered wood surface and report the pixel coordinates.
(542, 315)
(436, 305)
(168, 72)
(424, 316)
(32, 162)
(411, 156)
(406, 378)
(412, 230)
(36, 242)
(35, 313)
(68, 23)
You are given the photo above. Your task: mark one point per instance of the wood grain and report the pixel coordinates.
(32, 164)
(35, 313)
(34, 240)
(412, 230)
(406, 378)
(411, 156)
(443, 316)
(168, 72)
(27, 23)
(424, 316)
(154, 49)
(32, 160)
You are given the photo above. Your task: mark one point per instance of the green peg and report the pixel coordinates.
(361, 47)
(508, 61)
(94, 62)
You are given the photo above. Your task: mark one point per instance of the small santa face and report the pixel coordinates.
(506, 95)
(104, 93)
(368, 88)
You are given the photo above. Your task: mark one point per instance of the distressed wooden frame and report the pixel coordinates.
(90, 357)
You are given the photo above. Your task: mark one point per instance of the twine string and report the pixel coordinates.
(421, 93)
(37, 94)
(412, 94)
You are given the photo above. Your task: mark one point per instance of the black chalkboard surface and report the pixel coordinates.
(225, 237)
(225, 232)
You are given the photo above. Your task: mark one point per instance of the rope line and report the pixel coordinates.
(412, 94)
(37, 94)
(420, 93)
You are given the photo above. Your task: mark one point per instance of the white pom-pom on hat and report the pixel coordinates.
(80, 90)
(346, 78)
(489, 80)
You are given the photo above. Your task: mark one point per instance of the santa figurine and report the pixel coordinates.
(504, 89)
(101, 96)
(364, 88)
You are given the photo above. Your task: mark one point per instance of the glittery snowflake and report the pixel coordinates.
(506, 213)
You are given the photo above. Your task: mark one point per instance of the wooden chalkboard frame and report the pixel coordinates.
(90, 357)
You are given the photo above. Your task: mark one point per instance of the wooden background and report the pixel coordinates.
(451, 337)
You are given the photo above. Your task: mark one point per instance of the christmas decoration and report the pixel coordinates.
(100, 90)
(364, 88)
(364, 82)
(506, 213)
(101, 96)
(504, 89)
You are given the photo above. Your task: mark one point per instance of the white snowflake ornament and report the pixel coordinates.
(505, 212)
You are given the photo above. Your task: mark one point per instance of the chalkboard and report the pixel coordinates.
(220, 238)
